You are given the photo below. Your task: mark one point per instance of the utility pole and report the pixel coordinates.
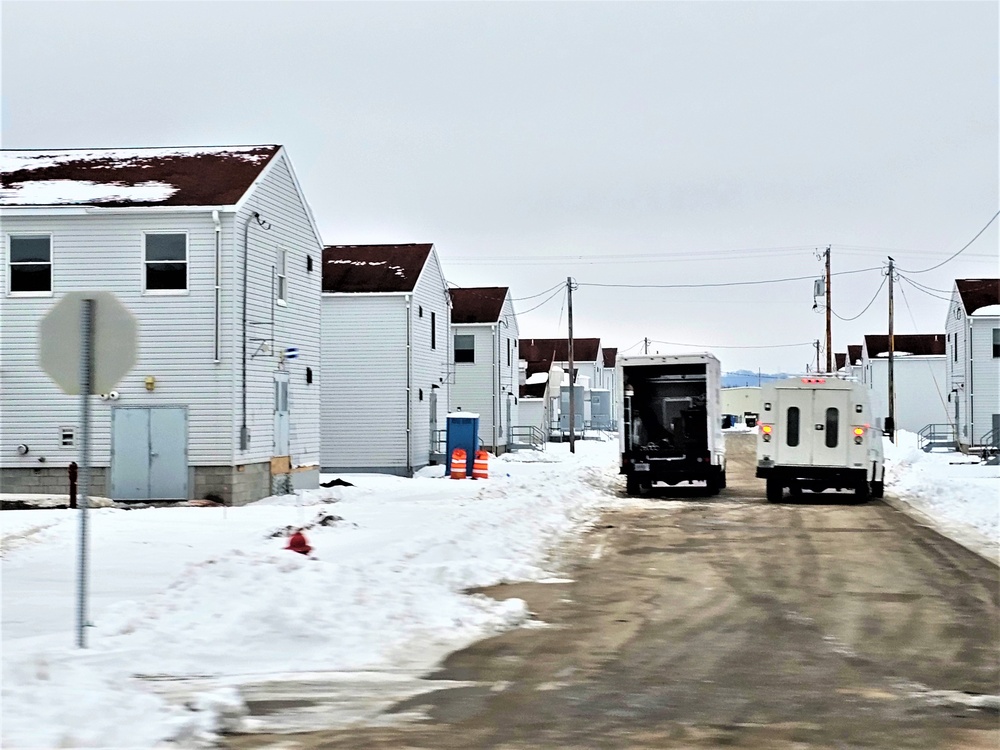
(572, 380)
(829, 335)
(890, 421)
(816, 344)
(645, 343)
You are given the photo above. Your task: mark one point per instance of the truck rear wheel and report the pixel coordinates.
(862, 493)
(878, 489)
(774, 490)
(632, 486)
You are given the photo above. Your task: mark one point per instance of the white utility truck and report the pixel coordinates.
(816, 433)
(671, 420)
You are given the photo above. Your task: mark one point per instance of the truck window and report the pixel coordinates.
(792, 430)
(832, 425)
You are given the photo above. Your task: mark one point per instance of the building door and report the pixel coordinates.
(432, 402)
(149, 453)
(282, 421)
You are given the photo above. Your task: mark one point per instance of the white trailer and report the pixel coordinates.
(671, 420)
(816, 434)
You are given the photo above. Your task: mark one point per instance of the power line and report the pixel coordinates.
(952, 257)
(725, 283)
(924, 291)
(522, 299)
(727, 346)
(545, 301)
(870, 303)
(926, 288)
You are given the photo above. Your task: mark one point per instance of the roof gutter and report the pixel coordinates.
(218, 283)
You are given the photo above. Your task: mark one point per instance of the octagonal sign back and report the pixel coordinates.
(60, 341)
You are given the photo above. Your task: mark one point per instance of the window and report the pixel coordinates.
(434, 330)
(465, 348)
(955, 348)
(996, 342)
(832, 427)
(509, 347)
(67, 437)
(30, 264)
(166, 263)
(792, 430)
(280, 269)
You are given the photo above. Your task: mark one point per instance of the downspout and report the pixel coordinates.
(218, 285)
(494, 416)
(409, 385)
(970, 389)
(244, 432)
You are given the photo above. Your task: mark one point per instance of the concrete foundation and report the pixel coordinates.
(49, 480)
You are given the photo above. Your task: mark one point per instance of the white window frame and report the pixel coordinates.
(187, 265)
(63, 433)
(281, 277)
(456, 350)
(29, 235)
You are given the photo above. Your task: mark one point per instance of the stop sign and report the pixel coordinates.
(60, 342)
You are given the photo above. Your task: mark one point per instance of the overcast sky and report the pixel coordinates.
(616, 143)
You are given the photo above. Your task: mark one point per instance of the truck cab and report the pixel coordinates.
(815, 433)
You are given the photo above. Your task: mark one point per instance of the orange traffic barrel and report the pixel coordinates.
(458, 463)
(480, 467)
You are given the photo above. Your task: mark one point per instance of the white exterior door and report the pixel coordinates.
(831, 422)
(281, 415)
(793, 427)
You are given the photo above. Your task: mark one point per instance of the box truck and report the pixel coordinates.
(816, 433)
(671, 420)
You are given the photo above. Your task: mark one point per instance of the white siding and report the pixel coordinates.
(104, 251)
(921, 390)
(363, 407)
(428, 367)
(956, 333)
(278, 202)
(985, 376)
(476, 382)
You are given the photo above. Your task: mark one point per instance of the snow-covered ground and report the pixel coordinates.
(957, 494)
(188, 604)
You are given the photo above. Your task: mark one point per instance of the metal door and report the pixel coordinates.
(432, 402)
(168, 454)
(831, 425)
(149, 453)
(130, 453)
(792, 427)
(281, 416)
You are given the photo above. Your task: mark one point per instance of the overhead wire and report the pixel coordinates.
(924, 291)
(955, 255)
(913, 320)
(870, 303)
(726, 283)
(533, 296)
(730, 346)
(543, 302)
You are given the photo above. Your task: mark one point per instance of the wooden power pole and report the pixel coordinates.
(829, 333)
(890, 422)
(572, 380)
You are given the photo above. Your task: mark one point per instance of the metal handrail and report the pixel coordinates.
(938, 436)
(527, 435)
(991, 439)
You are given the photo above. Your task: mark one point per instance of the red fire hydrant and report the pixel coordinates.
(298, 543)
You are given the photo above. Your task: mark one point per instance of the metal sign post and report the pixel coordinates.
(86, 383)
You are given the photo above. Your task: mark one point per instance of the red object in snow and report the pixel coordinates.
(298, 543)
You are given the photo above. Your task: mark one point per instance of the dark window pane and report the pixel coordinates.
(832, 427)
(465, 355)
(166, 275)
(31, 278)
(792, 429)
(465, 348)
(30, 250)
(166, 247)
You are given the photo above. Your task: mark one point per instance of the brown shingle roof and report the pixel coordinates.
(557, 350)
(854, 353)
(609, 356)
(197, 176)
(373, 268)
(909, 343)
(840, 359)
(477, 305)
(978, 293)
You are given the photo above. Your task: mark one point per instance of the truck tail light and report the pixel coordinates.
(765, 432)
(859, 435)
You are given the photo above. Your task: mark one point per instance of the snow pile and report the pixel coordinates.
(194, 594)
(48, 192)
(958, 492)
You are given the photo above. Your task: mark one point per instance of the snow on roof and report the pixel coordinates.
(373, 268)
(197, 176)
(988, 311)
(978, 293)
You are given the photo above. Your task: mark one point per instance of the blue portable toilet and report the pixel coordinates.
(462, 432)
